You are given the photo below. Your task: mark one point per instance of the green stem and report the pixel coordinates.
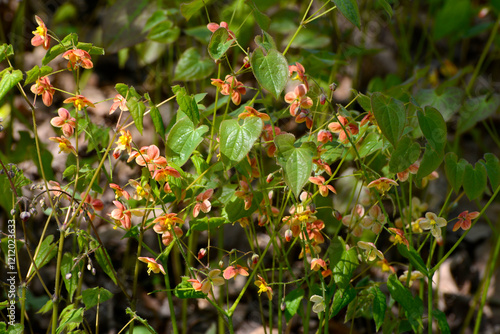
(55, 299)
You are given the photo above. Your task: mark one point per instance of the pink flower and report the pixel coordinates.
(465, 220)
(375, 219)
(205, 286)
(64, 145)
(64, 121)
(151, 158)
(382, 184)
(299, 69)
(119, 192)
(354, 220)
(78, 57)
(233, 271)
(325, 136)
(317, 264)
(251, 112)
(79, 101)
(298, 98)
(323, 188)
(214, 26)
(203, 202)
(350, 129)
(121, 215)
(118, 101)
(245, 193)
(230, 86)
(43, 87)
(41, 35)
(165, 222)
(153, 266)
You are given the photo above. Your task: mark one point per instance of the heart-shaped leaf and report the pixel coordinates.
(187, 104)
(412, 306)
(9, 80)
(265, 41)
(447, 101)
(191, 67)
(433, 128)
(271, 70)
(137, 109)
(474, 180)
(431, 160)
(219, 44)
(182, 140)
(454, 170)
(236, 140)
(405, 154)
(295, 161)
(390, 115)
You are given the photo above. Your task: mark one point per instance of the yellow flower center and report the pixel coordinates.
(39, 31)
(398, 239)
(141, 192)
(79, 104)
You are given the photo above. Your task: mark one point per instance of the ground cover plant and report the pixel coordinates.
(223, 167)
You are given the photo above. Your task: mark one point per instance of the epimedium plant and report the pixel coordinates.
(233, 162)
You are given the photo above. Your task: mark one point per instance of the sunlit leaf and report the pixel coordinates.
(182, 140)
(9, 80)
(293, 301)
(236, 140)
(271, 70)
(219, 43)
(92, 297)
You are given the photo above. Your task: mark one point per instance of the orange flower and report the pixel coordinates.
(64, 121)
(298, 98)
(230, 86)
(350, 129)
(382, 184)
(118, 101)
(153, 266)
(44, 88)
(79, 101)
(251, 112)
(317, 264)
(203, 202)
(245, 193)
(165, 222)
(464, 220)
(323, 188)
(323, 166)
(64, 145)
(119, 192)
(78, 57)
(121, 215)
(268, 136)
(399, 238)
(263, 287)
(325, 136)
(161, 174)
(299, 69)
(41, 36)
(168, 236)
(151, 157)
(123, 143)
(205, 286)
(233, 271)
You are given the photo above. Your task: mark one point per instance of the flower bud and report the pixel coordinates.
(25, 215)
(246, 62)
(13, 211)
(288, 235)
(337, 215)
(322, 99)
(221, 264)
(333, 86)
(283, 306)
(201, 253)
(68, 276)
(270, 178)
(255, 259)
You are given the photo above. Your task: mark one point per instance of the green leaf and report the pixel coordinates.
(205, 223)
(182, 140)
(91, 49)
(341, 299)
(390, 115)
(6, 51)
(415, 258)
(453, 19)
(47, 251)
(235, 208)
(70, 283)
(262, 20)
(185, 290)
(344, 268)
(412, 306)
(447, 101)
(370, 144)
(219, 43)
(477, 109)
(15, 329)
(379, 306)
(492, 166)
(388, 9)
(431, 160)
(70, 318)
(236, 140)
(187, 104)
(35, 73)
(293, 302)
(137, 109)
(433, 128)
(405, 154)
(94, 296)
(454, 170)
(67, 43)
(474, 180)
(191, 67)
(349, 8)
(164, 32)
(156, 18)
(296, 162)
(147, 326)
(271, 70)
(9, 80)
(127, 92)
(188, 9)
(441, 320)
